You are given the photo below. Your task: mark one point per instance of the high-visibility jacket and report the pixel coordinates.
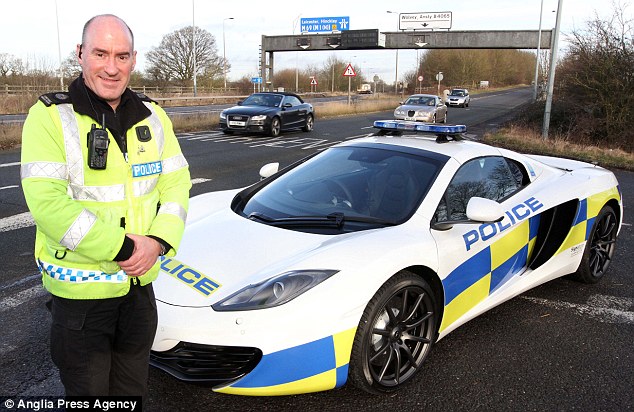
(82, 214)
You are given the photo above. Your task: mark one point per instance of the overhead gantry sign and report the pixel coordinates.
(373, 39)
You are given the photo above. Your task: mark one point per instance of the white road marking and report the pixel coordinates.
(19, 298)
(605, 309)
(10, 164)
(16, 222)
(200, 180)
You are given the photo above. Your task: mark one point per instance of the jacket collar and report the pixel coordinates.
(130, 111)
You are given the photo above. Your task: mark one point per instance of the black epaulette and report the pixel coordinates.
(50, 99)
(144, 97)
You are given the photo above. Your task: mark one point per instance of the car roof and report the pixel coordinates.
(422, 95)
(460, 150)
(282, 93)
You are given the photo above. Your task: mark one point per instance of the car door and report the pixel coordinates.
(476, 260)
(291, 115)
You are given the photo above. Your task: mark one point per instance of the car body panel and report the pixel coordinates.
(306, 343)
(422, 108)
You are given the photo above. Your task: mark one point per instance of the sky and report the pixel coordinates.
(29, 28)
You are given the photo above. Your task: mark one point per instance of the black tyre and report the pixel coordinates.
(276, 127)
(395, 334)
(599, 249)
(310, 123)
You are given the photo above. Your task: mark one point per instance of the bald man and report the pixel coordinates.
(108, 186)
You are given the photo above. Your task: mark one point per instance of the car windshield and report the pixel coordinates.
(350, 188)
(457, 93)
(421, 101)
(262, 99)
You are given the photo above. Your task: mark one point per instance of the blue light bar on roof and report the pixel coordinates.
(410, 126)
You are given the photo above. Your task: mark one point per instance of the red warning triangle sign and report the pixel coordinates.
(349, 71)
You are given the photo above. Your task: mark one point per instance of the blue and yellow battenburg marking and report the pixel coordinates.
(314, 366)
(189, 276)
(485, 272)
(586, 214)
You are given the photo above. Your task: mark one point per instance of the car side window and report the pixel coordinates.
(294, 101)
(487, 177)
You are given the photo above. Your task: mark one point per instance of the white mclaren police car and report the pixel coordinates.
(349, 265)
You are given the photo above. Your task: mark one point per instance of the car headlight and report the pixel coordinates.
(275, 291)
(399, 111)
(259, 117)
(223, 115)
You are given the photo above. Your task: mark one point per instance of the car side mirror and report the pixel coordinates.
(269, 170)
(239, 102)
(287, 105)
(479, 210)
(484, 210)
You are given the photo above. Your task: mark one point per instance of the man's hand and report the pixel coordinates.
(146, 251)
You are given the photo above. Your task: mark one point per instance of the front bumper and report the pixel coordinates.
(246, 353)
(248, 128)
(215, 365)
(416, 117)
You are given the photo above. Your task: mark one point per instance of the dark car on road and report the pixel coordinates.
(269, 113)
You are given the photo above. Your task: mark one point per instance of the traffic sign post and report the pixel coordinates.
(313, 82)
(349, 73)
(439, 77)
(258, 81)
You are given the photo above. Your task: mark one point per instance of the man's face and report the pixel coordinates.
(107, 59)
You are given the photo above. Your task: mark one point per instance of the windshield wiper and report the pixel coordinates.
(335, 220)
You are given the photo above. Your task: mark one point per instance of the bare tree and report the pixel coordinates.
(70, 66)
(173, 58)
(595, 80)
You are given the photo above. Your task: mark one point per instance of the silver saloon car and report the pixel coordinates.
(422, 108)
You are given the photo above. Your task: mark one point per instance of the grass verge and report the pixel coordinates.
(524, 140)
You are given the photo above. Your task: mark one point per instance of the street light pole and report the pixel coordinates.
(194, 45)
(539, 43)
(224, 51)
(396, 64)
(59, 52)
(296, 56)
(551, 73)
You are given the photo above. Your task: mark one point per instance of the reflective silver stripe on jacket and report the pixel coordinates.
(50, 170)
(174, 163)
(173, 208)
(78, 229)
(65, 274)
(74, 158)
(98, 193)
(156, 125)
(144, 187)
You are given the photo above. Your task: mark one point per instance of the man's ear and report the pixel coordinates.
(78, 52)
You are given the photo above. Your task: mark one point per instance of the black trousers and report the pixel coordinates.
(102, 346)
